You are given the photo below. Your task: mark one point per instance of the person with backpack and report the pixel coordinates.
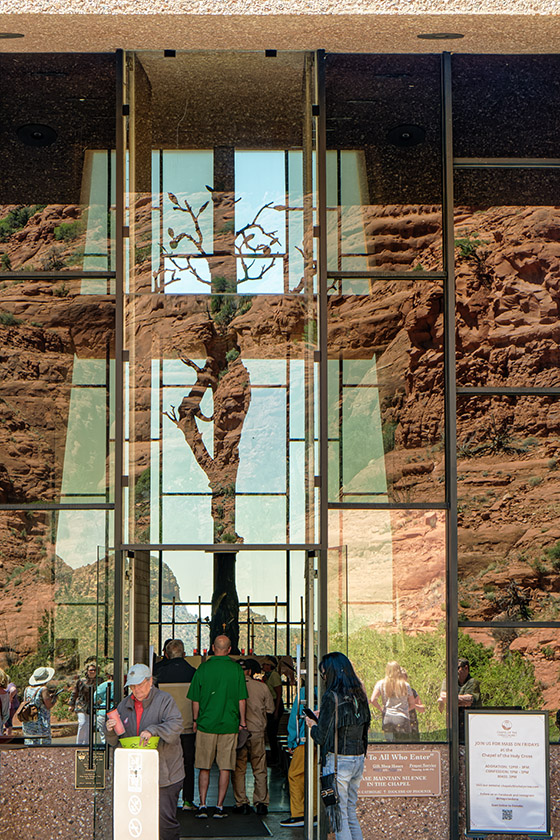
(34, 713)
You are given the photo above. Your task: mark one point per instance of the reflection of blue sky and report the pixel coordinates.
(361, 428)
(297, 492)
(194, 572)
(80, 534)
(262, 449)
(84, 477)
(266, 371)
(260, 179)
(186, 174)
(187, 520)
(261, 575)
(97, 236)
(261, 519)
(364, 457)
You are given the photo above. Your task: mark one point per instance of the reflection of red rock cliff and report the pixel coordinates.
(508, 290)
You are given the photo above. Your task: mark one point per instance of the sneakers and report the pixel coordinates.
(202, 812)
(219, 813)
(261, 809)
(243, 809)
(188, 806)
(293, 822)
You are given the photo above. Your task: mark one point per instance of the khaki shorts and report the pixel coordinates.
(219, 748)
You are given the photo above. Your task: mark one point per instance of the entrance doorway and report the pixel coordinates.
(221, 330)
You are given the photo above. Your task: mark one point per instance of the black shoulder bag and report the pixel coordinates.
(329, 794)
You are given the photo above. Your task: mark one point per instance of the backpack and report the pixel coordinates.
(29, 710)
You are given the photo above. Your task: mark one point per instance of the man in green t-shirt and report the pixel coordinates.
(218, 693)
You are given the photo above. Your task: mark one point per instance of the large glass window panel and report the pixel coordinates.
(56, 393)
(386, 411)
(384, 607)
(261, 576)
(56, 610)
(383, 162)
(221, 314)
(508, 485)
(58, 133)
(495, 99)
(266, 616)
(516, 669)
(212, 423)
(185, 596)
(507, 262)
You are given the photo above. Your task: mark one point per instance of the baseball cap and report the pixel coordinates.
(137, 674)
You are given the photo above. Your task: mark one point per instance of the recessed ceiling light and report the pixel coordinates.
(11, 35)
(406, 136)
(440, 36)
(34, 134)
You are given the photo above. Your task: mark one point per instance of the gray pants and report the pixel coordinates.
(169, 828)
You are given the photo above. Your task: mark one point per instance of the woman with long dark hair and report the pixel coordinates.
(344, 710)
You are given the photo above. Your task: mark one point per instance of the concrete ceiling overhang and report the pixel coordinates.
(529, 27)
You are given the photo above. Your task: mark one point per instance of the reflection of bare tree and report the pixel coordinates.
(237, 256)
(231, 393)
(252, 245)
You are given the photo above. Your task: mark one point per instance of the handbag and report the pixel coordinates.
(243, 738)
(329, 793)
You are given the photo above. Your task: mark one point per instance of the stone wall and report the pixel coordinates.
(38, 797)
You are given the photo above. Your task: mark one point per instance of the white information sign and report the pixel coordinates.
(507, 773)
(136, 794)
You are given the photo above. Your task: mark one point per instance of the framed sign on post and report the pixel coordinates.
(136, 794)
(507, 772)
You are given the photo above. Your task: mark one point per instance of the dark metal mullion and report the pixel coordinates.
(513, 391)
(288, 610)
(450, 437)
(107, 490)
(160, 456)
(108, 227)
(286, 260)
(161, 211)
(523, 625)
(322, 261)
(386, 275)
(58, 275)
(340, 425)
(45, 508)
(506, 163)
(288, 444)
(338, 214)
(119, 373)
(387, 505)
(224, 548)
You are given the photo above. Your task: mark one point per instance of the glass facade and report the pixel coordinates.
(247, 337)
(57, 391)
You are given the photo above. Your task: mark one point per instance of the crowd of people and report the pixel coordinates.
(224, 712)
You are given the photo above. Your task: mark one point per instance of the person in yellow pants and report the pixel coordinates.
(296, 771)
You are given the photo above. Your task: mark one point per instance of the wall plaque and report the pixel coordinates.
(86, 778)
(401, 772)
